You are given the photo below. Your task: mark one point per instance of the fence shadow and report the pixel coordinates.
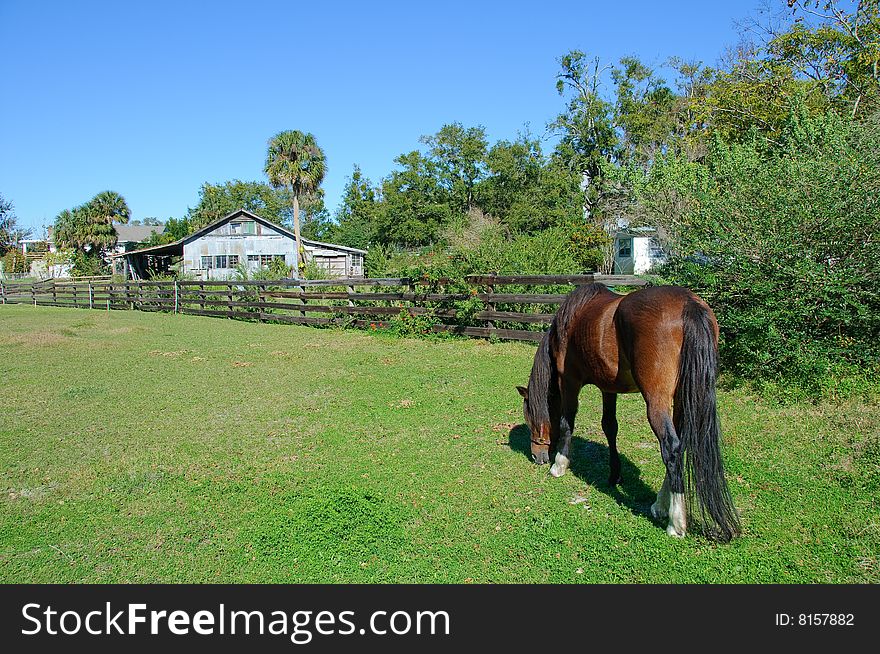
(589, 463)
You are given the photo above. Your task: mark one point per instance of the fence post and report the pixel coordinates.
(91, 297)
(350, 290)
(490, 306)
(202, 297)
(229, 301)
(34, 294)
(2, 292)
(54, 295)
(302, 300)
(176, 296)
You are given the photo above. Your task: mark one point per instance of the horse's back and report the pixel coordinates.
(650, 331)
(655, 310)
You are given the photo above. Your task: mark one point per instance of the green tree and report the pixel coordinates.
(315, 220)
(105, 210)
(10, 231)
(219, 200)
(175, 229)
(356, 224)
(459, 155)
(586, 127)
(840, 54)
(295, 163)
(513, 181)
(644, 112)
(89, 228)
(14, 261)
(415, 206)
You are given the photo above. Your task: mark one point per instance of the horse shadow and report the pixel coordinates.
(589, 463)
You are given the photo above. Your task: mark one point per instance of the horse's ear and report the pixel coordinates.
(523, 391)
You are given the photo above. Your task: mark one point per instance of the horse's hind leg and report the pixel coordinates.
(660, 508)
(566, 428)
(671, 495)
(609, 426)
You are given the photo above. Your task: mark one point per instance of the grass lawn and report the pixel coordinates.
(140, 447)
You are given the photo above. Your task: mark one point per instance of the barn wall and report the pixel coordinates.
(266, 241)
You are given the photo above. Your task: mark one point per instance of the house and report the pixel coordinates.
(130, 237)
(217, 251)
(637, 250)
(38, 253)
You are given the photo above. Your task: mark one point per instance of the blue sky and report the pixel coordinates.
(152, 99)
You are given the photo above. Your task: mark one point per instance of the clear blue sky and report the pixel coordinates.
(151, 99)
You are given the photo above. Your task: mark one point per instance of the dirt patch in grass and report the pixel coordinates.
(44, 338)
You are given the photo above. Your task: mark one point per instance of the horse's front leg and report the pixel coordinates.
(609, 426)
(569, 407)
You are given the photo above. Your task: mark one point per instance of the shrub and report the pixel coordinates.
(780, 238)
(14, 262)
(86, 264)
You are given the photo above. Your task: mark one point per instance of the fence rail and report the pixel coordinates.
(515, 307)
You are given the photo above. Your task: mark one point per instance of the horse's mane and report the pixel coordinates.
(571, 305)
(542, 381)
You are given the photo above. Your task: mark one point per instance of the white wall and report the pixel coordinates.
(269, 242)
(644, 256)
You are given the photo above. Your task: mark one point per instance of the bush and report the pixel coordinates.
(14, 262)
(780, 238)
(87, 265)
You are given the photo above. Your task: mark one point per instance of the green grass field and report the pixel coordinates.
(142, 447)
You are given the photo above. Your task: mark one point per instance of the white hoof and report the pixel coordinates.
(658, 510)
(560, 465)
(677, 518)
(672, 531)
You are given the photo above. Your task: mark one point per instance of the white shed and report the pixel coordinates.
(636, 251)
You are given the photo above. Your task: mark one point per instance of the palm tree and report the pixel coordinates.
(295, 162)
(89, 227)
(106, 208)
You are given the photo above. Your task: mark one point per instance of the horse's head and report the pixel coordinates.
(540, 431)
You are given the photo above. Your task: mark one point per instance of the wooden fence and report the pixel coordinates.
(517, 307)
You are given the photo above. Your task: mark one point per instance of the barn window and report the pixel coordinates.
(241, 227)
(225, 260)
(207, 263)
(264, 259)
(624, 248)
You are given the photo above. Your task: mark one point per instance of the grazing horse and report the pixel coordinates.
(662, 342)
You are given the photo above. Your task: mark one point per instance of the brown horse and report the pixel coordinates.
(662, 342)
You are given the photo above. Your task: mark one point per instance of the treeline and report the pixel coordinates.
(760, 175)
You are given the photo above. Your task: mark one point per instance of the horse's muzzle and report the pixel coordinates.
(540, 453)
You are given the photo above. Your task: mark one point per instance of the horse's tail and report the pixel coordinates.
(699, 430)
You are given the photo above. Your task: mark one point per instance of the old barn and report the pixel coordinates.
(217, 251)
